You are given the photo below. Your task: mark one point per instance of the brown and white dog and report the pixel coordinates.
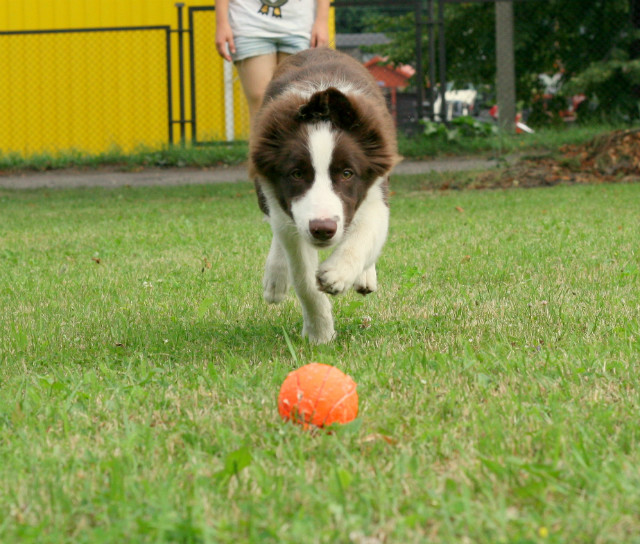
(321, 150)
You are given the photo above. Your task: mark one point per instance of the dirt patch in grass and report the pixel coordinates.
(612, 158)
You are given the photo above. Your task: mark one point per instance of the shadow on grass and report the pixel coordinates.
(205, 341)
(265, 334)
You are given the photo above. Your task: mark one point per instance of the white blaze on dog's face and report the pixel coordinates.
(319, 213)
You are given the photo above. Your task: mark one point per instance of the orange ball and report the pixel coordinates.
(318, 395)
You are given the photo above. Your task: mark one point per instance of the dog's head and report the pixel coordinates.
(317, 157)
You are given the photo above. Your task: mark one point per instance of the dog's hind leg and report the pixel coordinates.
(276, 274)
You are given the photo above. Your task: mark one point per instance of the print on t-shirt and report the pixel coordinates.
(275, 4)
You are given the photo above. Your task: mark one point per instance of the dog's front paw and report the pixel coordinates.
(367, 282)
(275, 285)
(319, 328)
(319, 335)
(275, 291)
(334, 280)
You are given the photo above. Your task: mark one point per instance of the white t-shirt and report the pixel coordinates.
(272, 18)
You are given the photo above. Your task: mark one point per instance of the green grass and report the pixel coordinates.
(174, 156)
(498, 379)
(414, 147)
(500, 144)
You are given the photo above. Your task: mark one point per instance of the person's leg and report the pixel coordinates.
(255, 74)
(282, 55)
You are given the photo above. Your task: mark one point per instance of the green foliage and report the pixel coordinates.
(234, 463)
(354, 19)
(612, 88)
(459, 128)
(470, 39)
(169, 156)
(422, 146)
(567, 34)
(553, 36)
(547, 111)
(400, 30)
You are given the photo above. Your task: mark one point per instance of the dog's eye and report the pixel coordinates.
(347, 174)
(296, 174)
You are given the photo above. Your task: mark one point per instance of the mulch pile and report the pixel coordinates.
(613, 158)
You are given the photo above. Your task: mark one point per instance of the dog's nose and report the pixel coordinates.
(323, 229)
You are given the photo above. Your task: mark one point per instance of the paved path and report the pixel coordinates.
(60, 179)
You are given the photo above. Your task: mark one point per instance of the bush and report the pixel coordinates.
(460, 127)
(612, 88)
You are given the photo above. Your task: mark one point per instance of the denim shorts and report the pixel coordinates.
(247, 47)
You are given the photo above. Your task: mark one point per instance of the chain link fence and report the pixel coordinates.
(574, 60)
(93, 89)
(122, 89)
(88, 89)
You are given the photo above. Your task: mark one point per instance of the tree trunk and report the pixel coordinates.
(505, 60)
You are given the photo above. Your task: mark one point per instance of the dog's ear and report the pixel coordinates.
(329, 105)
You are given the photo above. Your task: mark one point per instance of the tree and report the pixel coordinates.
(594, 44)
(611, 81)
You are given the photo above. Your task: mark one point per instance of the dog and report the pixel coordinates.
(321, 149)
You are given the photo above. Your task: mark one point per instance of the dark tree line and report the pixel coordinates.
(595, 44)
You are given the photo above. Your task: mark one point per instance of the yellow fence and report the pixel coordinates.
(93, 85)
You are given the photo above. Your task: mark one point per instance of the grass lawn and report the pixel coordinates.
(497, 370)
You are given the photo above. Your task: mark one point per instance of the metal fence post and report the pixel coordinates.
(432, 59)
(169, 84)
(182, 120)
(443, 62)
(192, 77)
(419, 70)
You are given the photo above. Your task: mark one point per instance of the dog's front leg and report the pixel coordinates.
(352, 264)
(316, 307)
(276, 273)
